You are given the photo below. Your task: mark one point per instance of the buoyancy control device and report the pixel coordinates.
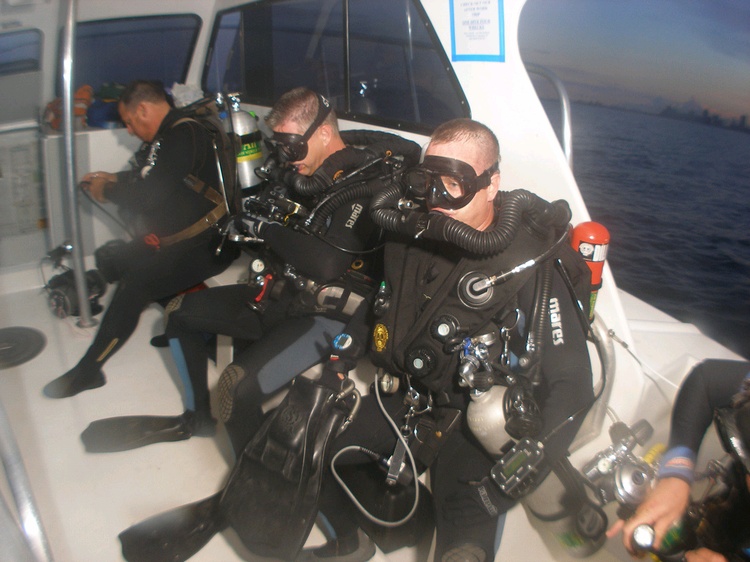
(488, 268)
(459, 330)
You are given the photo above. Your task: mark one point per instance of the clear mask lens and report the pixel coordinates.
(446, 183)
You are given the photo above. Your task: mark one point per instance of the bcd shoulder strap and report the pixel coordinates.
(225, 154)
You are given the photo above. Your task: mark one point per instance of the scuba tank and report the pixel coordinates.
(486, 419)
(591, 240)
(244, 124)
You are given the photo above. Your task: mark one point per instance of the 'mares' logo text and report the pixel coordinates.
(555, 320)
(356, 211)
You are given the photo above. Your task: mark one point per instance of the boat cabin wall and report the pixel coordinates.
(494, 92)
(412, 65)
(409, 71)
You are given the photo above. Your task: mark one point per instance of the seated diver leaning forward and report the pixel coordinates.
(719, 390)
(175, 221)
(436, 334)
(324, 270)
(449, 337)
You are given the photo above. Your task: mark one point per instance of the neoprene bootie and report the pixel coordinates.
(73, 382)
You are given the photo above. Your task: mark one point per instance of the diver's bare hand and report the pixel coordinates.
(661, 509)
(95, 183)
(704, 555)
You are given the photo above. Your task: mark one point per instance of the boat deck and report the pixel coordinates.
(85, 500)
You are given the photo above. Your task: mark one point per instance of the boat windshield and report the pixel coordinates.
(392, 70)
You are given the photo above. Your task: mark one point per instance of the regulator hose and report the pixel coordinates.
(384, 144)
(316, 222)
(530, 360)
(374, 143)
(514, 208)
(327, 173)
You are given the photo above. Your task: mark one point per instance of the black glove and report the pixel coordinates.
(473, 503)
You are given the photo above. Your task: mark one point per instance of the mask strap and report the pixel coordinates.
(324, 108)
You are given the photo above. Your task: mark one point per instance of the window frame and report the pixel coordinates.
(39, 44)
(346, 112)
(190, 54)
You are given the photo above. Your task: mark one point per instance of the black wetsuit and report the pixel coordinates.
(463, 525)
(157, 202)
(711, 385)
(288, 337)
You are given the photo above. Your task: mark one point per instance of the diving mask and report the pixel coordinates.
(447, 183)
(291, 147)
(733, 427)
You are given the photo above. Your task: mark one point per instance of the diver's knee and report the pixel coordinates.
(228, 383)
(171, 312)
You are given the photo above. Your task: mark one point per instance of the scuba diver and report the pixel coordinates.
(307, 278)
(175, 197)
(719, 390)
(471, 299)
(270, 499)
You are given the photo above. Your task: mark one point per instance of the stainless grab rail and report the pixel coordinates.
(562, 94)
(79, 271)
(15, 473)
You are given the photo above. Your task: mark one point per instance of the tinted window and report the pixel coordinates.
(396, 73)
(158, 47)
(20, 51)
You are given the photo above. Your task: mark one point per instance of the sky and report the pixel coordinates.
(645, 54)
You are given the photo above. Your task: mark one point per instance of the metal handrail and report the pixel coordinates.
(15, 473)
(86, 319)
(562, 93)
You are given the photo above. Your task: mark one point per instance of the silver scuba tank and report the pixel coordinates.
(250, 156)
(486, 419)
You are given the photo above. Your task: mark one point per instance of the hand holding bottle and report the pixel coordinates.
(662, 508)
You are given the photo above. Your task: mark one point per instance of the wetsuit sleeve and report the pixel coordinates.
(710, 385)
(322, 259)
(567, 387)
(181, 150)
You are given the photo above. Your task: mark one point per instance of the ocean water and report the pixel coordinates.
(675, 197)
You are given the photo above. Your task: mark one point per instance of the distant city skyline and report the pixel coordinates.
(692, 55)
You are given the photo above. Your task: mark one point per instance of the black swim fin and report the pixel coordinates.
(271, 499)
(174, 535)
(131, 432)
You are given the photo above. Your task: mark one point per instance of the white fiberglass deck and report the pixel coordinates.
(86, 499)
